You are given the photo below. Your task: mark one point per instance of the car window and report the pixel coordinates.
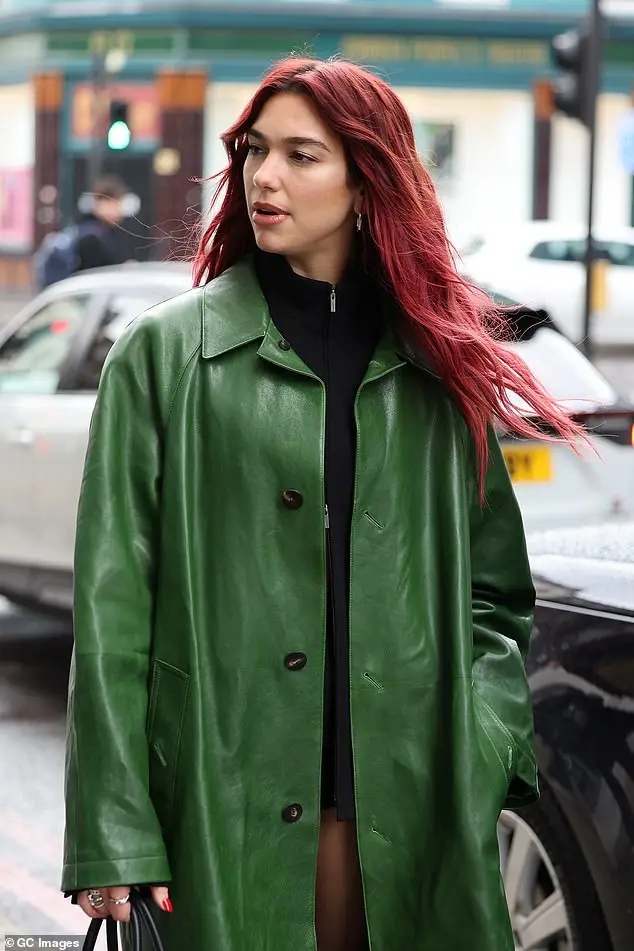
(122, 309)
(558, 251)
(32, 358)
(616, 252)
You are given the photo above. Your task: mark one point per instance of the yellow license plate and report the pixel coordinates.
(529, 463)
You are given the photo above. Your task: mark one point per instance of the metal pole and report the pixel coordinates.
(94, 166)
(594, 83)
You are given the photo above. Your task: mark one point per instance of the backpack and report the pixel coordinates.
(56, 258)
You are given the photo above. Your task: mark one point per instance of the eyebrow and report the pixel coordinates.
(291, 139)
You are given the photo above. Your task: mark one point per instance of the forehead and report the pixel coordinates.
(293, 114)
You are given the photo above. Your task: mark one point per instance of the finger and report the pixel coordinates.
(118, 912)
(86, 907)
(161, 896)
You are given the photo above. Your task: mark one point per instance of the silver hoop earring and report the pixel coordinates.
(359, 221)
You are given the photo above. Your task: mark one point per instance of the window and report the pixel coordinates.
(31, 359)
(559, 251)
(616, 252)
(122, 310)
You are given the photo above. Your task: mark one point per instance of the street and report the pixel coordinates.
(34, 657)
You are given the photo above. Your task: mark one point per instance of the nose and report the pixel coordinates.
(267, 175)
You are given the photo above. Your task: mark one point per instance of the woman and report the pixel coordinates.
(298, 700)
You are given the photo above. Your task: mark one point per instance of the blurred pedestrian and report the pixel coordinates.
(94, 241)
(100, 244)
(298, 700)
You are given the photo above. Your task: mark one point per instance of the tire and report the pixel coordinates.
(544, 868)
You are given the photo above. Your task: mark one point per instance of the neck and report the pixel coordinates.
(326, 268)
(310, 299)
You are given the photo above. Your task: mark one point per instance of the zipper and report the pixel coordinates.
(330, 575)
(333, 616)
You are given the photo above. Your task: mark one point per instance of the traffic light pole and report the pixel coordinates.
(94, 166)
(594, 75)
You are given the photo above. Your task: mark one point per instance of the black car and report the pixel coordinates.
(568, 861)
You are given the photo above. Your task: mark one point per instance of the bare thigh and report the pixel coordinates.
(339, 910)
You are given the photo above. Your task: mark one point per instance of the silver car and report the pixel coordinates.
(51, 357)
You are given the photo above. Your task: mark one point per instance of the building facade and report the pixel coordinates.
(467, 71)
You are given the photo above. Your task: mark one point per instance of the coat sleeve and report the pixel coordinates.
(503, 602)
(112, 834)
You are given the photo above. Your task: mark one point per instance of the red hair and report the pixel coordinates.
(406, 247)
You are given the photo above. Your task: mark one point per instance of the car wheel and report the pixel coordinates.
(552, 901)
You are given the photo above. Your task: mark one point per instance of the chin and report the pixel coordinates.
(272, 243)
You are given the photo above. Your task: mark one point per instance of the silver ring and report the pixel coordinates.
(120, 901)
(95, 898)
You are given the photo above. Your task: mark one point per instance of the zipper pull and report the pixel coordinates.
(327, 518)
(333, 300)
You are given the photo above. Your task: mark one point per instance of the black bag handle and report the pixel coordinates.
(140, 915)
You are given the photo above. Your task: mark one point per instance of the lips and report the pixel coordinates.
(265, 208)
(266, 215)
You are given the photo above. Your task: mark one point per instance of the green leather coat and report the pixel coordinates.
(187, 733)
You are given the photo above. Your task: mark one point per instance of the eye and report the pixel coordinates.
(254, 149)
(302, 159)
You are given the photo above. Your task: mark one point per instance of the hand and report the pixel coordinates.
(160, 894)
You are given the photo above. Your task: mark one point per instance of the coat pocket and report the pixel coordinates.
(169, 690)
(497, 735)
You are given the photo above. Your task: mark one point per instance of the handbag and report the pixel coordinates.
(140, 915)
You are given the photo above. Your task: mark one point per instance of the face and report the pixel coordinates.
(300, 201)
(109, 210)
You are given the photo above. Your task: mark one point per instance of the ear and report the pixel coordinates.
(359, 200)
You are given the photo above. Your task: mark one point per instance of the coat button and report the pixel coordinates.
(292, 499)
(284, 345)
(292, 813)
(296, 660)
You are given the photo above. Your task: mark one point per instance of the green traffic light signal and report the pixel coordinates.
(119, 136)
(119, 132)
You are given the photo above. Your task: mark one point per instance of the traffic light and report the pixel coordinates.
(571, 54)
(119, 132)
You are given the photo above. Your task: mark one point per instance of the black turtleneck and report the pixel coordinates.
(334, 329)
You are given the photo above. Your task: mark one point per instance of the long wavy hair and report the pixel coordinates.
(405, 246)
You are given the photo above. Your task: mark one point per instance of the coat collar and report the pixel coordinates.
(235, 312)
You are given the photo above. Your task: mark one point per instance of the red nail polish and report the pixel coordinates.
(167, 905)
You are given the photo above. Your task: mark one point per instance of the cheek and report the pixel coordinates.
(325, 197)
